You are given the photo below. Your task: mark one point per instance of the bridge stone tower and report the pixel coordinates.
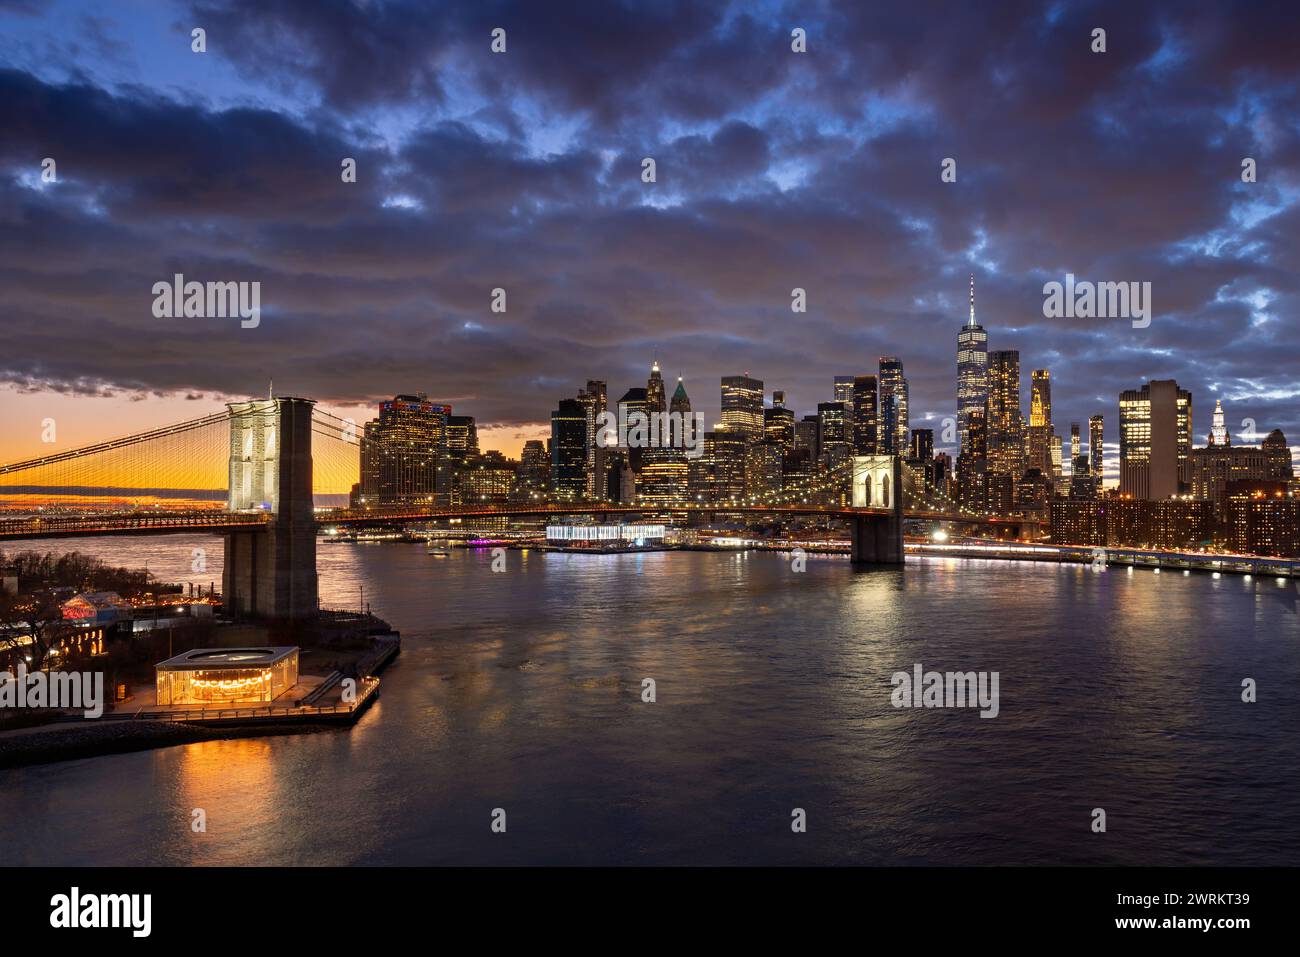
(877, 483)
(270, 571)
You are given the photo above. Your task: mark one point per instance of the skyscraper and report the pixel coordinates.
(832, 434)
(400, 450)
(664, 472)
(843, 390)
(742, 405)
(1096, 447)
(1219, 434)
(1003, 421)
(920, 455)
(1055, 456)
(534, 467)
(680, 405)
(1221, 470)
(1279, 456)
(1078, 461)
(863, 430)
(778, 422)
(462, 435)
(972, 464)
(893, 407)
(655, 472)
(631, 411)
(805, 435)
(680, 402)
(763, 461)
(594, 401)
(721, 469)
(655, 400)
(490, 478)
(367, 492)
(972, 369)
(1040, 421)
(1155, 439)
(569, 450)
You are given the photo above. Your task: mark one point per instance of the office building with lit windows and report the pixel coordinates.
(1096, 448)
(833, 447)
(720, 471)
(778, 422)
(535, 468)
(488, 479)
(1040, 421)
(972, 470)
(1004, 423)
(1212, 470)
(763, 467)
(462, 435)
(1134, 523)
(631, 409)
(1261, 521)
(1155, 439)
(664, 480)
(972, 370)
(842, 390)
(894, 429)
(656, 400)
(863, 429)
(805, 436)
(742, 405)
(400, 451)
(594, 401)
(569, 450)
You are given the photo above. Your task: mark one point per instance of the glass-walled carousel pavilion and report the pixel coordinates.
(227, 676)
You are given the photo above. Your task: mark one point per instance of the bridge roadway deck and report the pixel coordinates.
(217, 521)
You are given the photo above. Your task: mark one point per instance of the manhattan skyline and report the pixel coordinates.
(522, 171)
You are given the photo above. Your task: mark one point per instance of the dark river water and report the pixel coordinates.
(521, 691)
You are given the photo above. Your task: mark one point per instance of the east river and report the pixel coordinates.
(522, 691)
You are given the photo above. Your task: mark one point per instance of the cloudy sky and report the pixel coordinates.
(522, 170)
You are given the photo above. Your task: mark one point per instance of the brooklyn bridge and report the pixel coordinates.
(254, 473)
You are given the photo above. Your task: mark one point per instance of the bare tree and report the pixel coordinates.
(30, 627)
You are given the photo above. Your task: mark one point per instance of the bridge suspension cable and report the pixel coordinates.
(336, 457)
(183, 465)
(117, 443)
(178, 465)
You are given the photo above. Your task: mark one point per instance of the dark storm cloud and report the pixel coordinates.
(146, 158)
(523, 171)
(667, 58)
(474, 173)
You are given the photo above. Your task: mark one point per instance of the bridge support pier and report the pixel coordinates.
(877, 539)
(270, 571)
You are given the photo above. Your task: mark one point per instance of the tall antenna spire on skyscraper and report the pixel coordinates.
(972, 300)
